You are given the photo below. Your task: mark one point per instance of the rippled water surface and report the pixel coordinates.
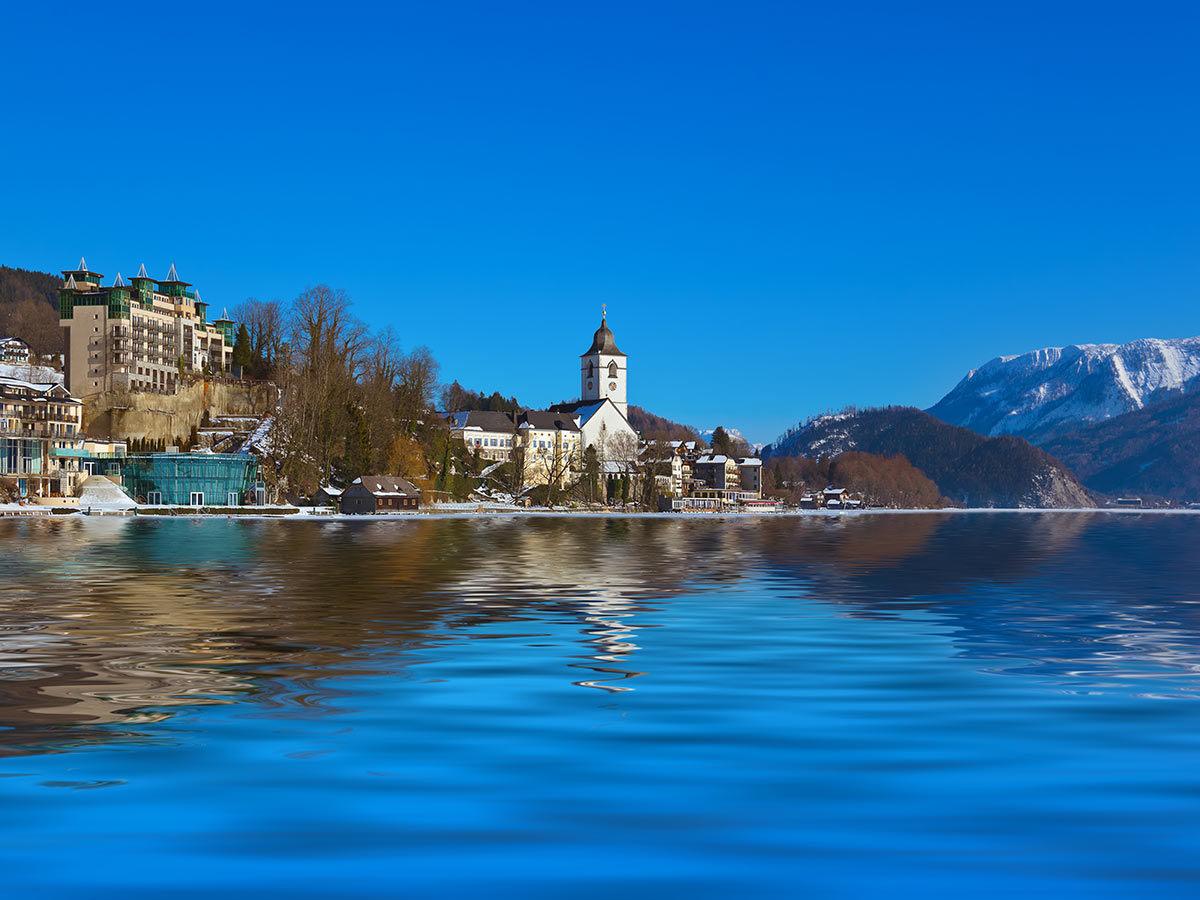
(982, 705)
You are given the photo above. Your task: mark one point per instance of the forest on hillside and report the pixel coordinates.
(657, 428)
(1149, 452)
(29, 309)
(968, 468)
(889, 482)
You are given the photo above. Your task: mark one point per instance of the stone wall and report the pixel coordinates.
(170, 417)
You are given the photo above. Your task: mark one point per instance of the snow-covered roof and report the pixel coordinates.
(720, 458)
(749, 461)
(41, 387)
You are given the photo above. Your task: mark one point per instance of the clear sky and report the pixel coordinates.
(788, 207)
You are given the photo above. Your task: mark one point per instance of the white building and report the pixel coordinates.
(491, 434)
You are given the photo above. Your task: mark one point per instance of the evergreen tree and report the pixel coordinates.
(241, 350)
(591, 473)
(722, 443)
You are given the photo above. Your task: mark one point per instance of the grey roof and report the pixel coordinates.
(549, 421)
(387, 484)
(485, 421)
(603, 341)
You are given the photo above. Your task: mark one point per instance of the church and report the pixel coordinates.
(553, 442)
(602, 411)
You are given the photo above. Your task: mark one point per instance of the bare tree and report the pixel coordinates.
(328, 345)
(417, 377)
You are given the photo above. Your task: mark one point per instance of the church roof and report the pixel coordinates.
(585, 409)
(603, 341)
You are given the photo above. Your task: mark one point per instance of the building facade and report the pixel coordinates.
(36, 420)
(13, 350)
(141, 335)
(187, 479)
(490, 434)
(548, 443)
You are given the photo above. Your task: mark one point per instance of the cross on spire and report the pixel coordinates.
(604, 311)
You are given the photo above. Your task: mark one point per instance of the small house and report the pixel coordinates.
(379, 494)
(327, 495)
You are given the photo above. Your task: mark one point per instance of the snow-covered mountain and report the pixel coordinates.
(734, 433)
(1050, 392)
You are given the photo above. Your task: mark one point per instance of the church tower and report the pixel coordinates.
(602, 369)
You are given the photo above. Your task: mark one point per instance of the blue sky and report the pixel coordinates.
(787, 207)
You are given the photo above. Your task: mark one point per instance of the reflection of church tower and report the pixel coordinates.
(602, 369)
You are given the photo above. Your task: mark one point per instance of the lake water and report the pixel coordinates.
(971, 704)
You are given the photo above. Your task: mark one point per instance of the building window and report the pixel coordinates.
(154, 498)
(196, 498)
(612, 370)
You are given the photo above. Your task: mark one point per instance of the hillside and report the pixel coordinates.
(1047, 393)
(29, 308)
(1151, 452)
(656, 428)
(968, 468)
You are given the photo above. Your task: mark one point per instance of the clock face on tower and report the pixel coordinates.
(589, 385)
(612, 385)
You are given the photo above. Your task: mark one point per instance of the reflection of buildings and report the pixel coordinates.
(122, 620)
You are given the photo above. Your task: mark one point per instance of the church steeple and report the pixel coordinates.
(603, 368)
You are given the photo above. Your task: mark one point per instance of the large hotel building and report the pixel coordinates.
(137, 335)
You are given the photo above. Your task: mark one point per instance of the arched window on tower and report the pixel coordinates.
(612, 370)
(591, 369)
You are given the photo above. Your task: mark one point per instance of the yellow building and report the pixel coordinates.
(138, 335)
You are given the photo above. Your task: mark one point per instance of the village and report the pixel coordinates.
(70, 440)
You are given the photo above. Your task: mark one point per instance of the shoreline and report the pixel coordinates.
(35, 512)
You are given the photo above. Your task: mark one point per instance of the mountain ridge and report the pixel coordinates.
(1045, 393)
(968, 468)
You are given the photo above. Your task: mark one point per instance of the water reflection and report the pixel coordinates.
(107, 626)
